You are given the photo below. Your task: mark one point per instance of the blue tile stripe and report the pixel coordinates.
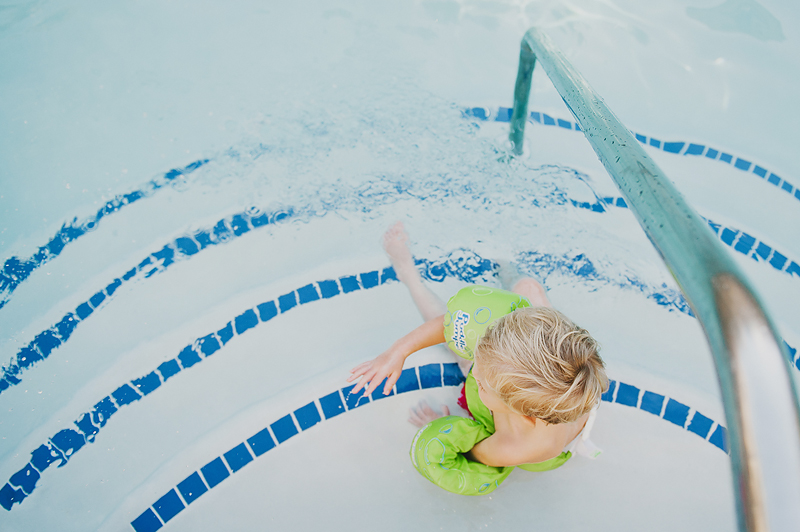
(274, 434)
(17, 269)
(739, 241)
(503, 114)
(63, 445)
(668, 409)
(170, 504)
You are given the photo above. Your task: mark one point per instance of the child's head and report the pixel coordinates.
(542, 365)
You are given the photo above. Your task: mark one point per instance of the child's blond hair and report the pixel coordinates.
(542, 365)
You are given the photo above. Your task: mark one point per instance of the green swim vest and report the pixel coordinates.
(437, 450)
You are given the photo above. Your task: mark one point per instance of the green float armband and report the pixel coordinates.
(471, 311)
(437, 454)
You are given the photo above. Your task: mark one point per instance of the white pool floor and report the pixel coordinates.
(218, 178)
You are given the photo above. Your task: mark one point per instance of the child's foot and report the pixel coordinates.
(424, 414)
(395, 242)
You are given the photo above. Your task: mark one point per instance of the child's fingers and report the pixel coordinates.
(360, 368)
(390, 382)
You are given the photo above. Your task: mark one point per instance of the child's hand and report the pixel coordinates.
(387, 366)
(424, 414)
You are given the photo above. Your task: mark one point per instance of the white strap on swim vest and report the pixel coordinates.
(582, 445)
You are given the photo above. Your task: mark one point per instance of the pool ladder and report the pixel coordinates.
(761, 404)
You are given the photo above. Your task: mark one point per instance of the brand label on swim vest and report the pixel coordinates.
(459, 338)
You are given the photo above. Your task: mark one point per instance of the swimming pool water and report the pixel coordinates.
(193, 196)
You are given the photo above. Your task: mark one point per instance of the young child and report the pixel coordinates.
(537, 378)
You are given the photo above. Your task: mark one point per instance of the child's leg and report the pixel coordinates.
(511, 279)
(533, 290)
(395, 242)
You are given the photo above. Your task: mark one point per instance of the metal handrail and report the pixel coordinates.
(761, 403)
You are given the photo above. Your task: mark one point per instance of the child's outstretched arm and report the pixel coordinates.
(389, 364)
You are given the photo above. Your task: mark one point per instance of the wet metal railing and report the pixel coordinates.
(761, 405)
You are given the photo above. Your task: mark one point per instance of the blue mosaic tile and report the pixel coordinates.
(503, 115)
(331, 405)
(787, 187)
(720, 438)
(627, 394)
(695, 149)
(378, 393)
(226, 333)
(125, 395)
(9, 495)
(369, 279)
(169, 505)
(673, 147)
(103, 411)
(578, 127)
(763, 250)
(238, 457)
(652, 402)
(245, 320)
(349, 284)
(655, 143)
(26, 478)
(192, 487)
(451, 374)
(284, 428)
(676, 412)
(430, 376)
(745, 243)
(188, 357)
(777, 261)
(112, 287)
(728, 236)
(68, 442)
(476, 112)
(741, 164)
(726, 158)
(328, 289)
(564, 123)
(44, 455)
(186, 246)
(608, 395)
(148, 383)
(28, 356)
(793, 269)
(537, 117)
(388, 274)
(354, 400)
(621, 203)
(214, 472)
(168, 369)
(239, 225)
(261, 442)
(208, 344)
(203, 238)
(287, 301)
(267, 311)
(96, 299)
(129, 274)
(84, 310)
(307, 294)
(641, 138)
(46, 341)
(548, 120)
(307, 416)
(712, 153)
(700, 425)
(760, 172)
(797, 193)
(775, 180)
(147, 522)
(86, 426)
(66, 326)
